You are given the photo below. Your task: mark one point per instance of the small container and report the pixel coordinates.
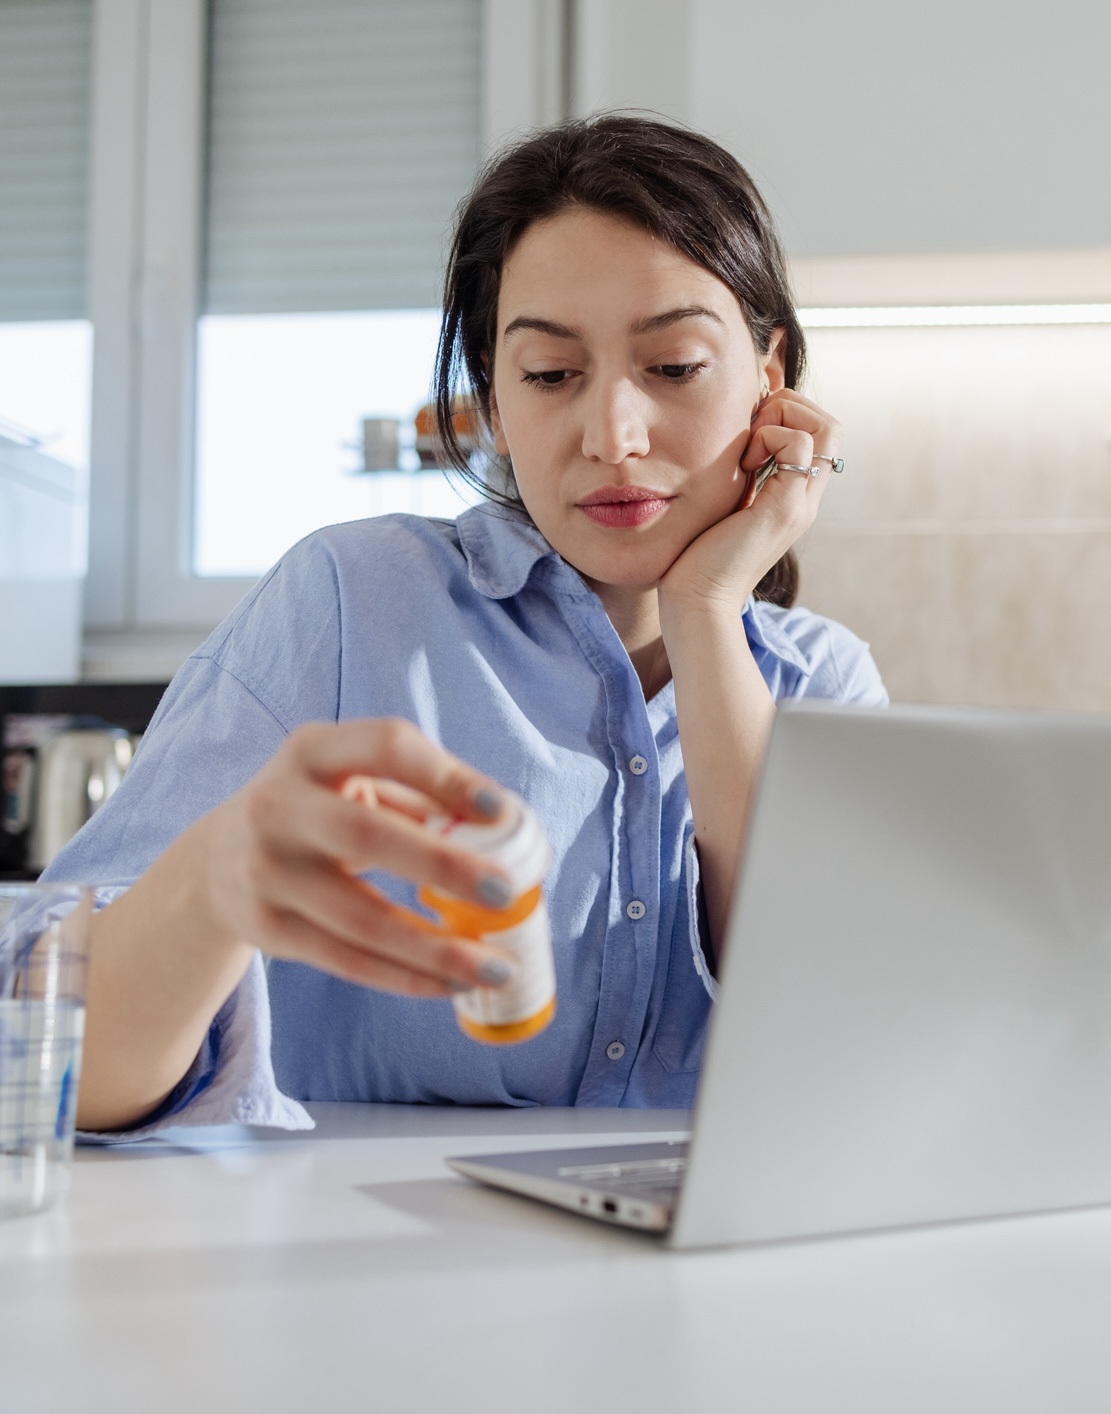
(380, 443)
(525, 1005)
(464, 421)
(44, 940)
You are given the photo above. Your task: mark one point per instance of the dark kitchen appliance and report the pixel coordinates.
(64, 749)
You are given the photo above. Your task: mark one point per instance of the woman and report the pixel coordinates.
(607, 637)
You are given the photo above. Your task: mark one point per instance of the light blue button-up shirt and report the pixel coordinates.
(477, 631)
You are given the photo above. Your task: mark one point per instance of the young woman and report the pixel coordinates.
(607, 636)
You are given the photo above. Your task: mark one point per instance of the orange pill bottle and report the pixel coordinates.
(525, 1005)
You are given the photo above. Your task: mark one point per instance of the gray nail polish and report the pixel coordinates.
(488, 802)
(494, 891)
(493, 971)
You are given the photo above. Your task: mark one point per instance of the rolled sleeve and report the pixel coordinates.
(232, 1079)
(802, 654)
(863, 684)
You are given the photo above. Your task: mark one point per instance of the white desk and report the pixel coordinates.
(348, 1270)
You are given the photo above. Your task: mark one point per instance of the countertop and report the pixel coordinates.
(347, 1269)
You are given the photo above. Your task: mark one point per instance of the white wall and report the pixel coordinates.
(970, 538)
(631, 54)
(915, 131)
(42, 523)
(880, 125)
(950, 153)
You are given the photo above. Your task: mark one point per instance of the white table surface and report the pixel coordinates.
(347, 1269)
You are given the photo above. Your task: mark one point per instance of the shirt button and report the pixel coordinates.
(635, 909)
(615, 1050)
(638, 765)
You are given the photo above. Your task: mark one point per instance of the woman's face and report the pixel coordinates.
(625, 379)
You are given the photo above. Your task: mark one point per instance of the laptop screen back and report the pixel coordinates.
(915, 1014)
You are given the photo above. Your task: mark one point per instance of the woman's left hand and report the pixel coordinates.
(724, 564)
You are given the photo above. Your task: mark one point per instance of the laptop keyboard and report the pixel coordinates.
(638, 1174)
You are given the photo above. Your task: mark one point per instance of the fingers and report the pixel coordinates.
(785, 444)
(788, 408)
(296, 938)
(272, 885)
(788, 496)
(299, 818)
(788, 411)
(795, 432)
(398, 751)
(375, 791)
(335, 801)
(395, 796)
(351, 915)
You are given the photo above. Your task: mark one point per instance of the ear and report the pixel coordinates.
(772, 364)
(501, 446)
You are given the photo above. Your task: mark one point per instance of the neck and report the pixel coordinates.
(634, 612)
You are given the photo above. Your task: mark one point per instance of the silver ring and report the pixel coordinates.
(805, 470)
(836, 465)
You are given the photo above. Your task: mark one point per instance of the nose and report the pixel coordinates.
(615, 427)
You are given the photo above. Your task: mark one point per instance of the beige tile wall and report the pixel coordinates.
(970, 538)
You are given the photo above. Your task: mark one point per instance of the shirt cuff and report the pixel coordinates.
(699, 923)
(232, 1079)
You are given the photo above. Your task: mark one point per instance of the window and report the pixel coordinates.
(280, 401)
(45, 338)
(271, 183)
(339, 139)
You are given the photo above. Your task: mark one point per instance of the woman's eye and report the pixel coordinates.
(678, 372)
(548, 378)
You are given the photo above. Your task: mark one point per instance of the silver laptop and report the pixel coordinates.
(914, 1022)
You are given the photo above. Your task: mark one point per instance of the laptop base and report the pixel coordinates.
(631, 1185)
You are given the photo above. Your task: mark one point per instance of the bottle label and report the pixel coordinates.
(530, 991)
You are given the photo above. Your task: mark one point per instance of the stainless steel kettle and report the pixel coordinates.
(77, 771)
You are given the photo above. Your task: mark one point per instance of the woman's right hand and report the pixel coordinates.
(276, 865)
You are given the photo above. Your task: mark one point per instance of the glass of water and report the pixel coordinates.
(44, 943)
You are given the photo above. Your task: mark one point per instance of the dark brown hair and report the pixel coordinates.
(676, 184)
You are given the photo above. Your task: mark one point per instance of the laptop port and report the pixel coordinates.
(608, 1205)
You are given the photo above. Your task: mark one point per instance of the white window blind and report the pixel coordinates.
(45, 61)
(341, 135)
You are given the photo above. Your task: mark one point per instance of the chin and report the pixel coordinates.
(625, 558)
(629, 571)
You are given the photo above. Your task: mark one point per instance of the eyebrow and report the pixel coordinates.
(652, 325)
(541, 326)
(674, 316)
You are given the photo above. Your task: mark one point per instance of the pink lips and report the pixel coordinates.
(623, 507)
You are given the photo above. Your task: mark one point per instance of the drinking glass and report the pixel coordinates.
(44, 942)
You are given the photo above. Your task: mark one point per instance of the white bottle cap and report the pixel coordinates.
(515, 841)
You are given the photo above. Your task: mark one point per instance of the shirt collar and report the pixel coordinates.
(502, 549)
(765, 631)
